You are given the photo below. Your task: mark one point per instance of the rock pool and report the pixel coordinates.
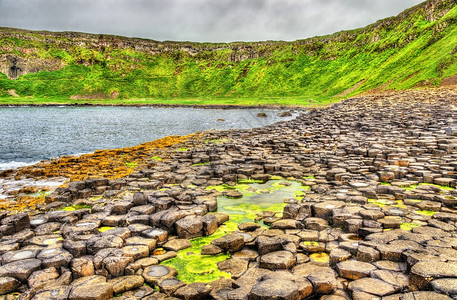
(257, 198)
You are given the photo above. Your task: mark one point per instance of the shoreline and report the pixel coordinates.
(100, 152)
(378, 201)
(195, 106)
(296, 112)
(308, 105)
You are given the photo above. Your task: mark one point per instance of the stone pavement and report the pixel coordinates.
(378, 222)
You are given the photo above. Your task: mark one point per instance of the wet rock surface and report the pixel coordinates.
(377, 219)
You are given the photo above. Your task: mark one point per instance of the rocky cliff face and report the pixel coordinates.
(415, 48)
(17, 60)
(14, 66)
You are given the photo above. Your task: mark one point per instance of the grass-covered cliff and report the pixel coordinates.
(416, 48)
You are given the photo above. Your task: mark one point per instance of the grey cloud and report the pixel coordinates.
(199, 20)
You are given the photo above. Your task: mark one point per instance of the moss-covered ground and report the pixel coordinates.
(416, 48)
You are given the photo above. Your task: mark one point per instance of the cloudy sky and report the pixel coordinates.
(199, 20)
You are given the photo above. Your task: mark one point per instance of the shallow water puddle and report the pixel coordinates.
(257, 197)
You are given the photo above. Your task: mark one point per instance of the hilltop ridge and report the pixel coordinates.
(416, 48)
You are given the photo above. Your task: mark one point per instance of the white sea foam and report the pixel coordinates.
(18, 164)
(15, 164)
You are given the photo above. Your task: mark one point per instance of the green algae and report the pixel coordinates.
(247, 189)
(219, 188)
(249, 181)
(409, 187)
(244, 188)
(40, 193)
(443, 187)
(309, 177)
(183, 149)
(193, 267)
(104, 228)
(408, 226)
(257, 197)
(156, 158)
(414, 186)
(399, 204)
(202, 164)
(131, 164)
(310, 243)
(224, 187)
(381, 202)
(268, 196)
(426, 212)
(299, 193)
(243, 212)
(76, 207)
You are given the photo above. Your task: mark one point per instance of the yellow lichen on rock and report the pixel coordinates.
(21, 203)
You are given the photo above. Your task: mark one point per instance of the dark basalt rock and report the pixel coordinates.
(153, 274)
(92, 287)
(20, 269)
(354, 269)
(230, 242)
(274, 289)
(42, 278)
(189, 227)
(98, 243)
(277, 260)
(424, 272)
(236, 267)
(8, 285)
(194, 291)
(126, 283)
(371, 286)
(14, 223)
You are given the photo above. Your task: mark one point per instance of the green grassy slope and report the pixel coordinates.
(416, 48)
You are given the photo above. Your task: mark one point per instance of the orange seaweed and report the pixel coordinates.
(110, 164)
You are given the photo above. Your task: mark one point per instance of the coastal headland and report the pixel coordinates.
(416, 48)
